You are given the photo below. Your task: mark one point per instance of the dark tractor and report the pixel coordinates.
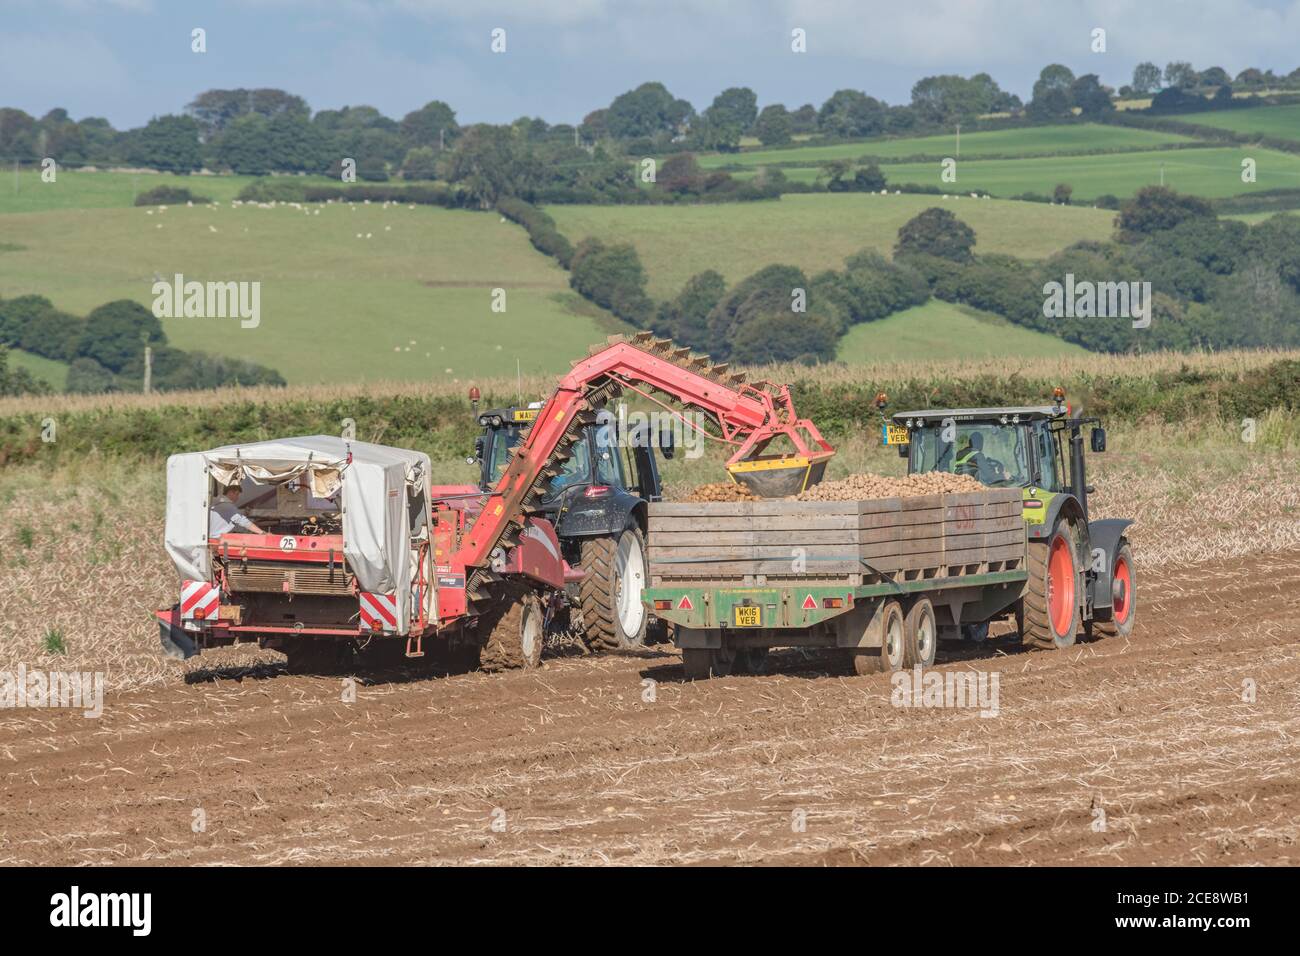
(598, 507)
(1080, 570)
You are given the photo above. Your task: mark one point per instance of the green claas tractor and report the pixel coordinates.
(1081, 573)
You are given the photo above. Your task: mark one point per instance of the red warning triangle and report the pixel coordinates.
(809, 604)
(685, 603)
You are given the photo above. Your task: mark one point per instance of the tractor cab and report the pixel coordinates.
(1041, 450)
(599, 464)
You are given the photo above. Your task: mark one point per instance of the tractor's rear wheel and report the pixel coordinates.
(1049, 613)
(1123, 610)
(512, 632)
(613, 616)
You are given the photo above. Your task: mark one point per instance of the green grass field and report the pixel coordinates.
(101, 190)
(1212, 173)
(1031, 141)
(1282, 122)
(411, 302)
(941, 331)
(814, 232)
(42, 369)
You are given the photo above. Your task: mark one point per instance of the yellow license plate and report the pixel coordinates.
(526, 414)
(746, 616)
(896, 435)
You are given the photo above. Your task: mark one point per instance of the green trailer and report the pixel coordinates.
(882, 579)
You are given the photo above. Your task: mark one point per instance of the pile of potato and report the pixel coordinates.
(866, 487)
(853, 488)
(722, 491)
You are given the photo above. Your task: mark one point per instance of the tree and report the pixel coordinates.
(936, 232)
(1146, 78)
(117, 332)
(849, 113)
(648, 110)
(1062, 193)
(216, 109)
(1090, 96)
(1053, 77)
(295, 145)
(680, 175)
(432, 123)
(1250, 77)
(1156, 208)
(685, 318)
(804, 120)
(169, 143)
(710, 134)
(17, 134)
(735, 106)
(88, 377)
(1180, 74)
(1053, 104)
(773, 126)
(1214, 76)
(245, 146)
(950, 99)
(612, 277)
(420, 163)
(489, 163)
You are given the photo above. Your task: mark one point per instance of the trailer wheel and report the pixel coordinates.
(889, 657)
(1049, 616)
(1123, 610)
(512, 632)
(921, 639)
(613, 616)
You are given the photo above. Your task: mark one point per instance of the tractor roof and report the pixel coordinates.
(1025, 412)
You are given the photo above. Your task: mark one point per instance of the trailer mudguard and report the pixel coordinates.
(175, 642)
(1105, 534)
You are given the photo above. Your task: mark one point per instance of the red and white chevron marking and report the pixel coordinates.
(199, 600)
(378, 612)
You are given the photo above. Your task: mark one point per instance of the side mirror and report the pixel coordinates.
(478, 450)
(666, 447)
(1098, 440)
(903, 450)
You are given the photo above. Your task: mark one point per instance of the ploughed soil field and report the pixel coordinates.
(1114, 752)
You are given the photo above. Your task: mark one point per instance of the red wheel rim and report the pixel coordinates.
(1060, 586)
(1123, 602)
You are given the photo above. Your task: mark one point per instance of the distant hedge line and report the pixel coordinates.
(1167, 123)
(445, 429)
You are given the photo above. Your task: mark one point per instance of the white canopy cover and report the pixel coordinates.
(375, 483)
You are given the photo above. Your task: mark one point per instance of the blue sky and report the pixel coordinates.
(129, 60)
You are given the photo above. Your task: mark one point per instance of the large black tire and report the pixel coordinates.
(888, 658)
(921, 635)
(512, 632)
(1122, 614)
(610, 593)
(1038, 627)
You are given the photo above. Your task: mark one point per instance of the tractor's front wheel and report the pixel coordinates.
(1123, 609)
(613, 616)
(1049, 613)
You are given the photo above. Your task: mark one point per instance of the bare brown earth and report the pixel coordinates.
(579, 767)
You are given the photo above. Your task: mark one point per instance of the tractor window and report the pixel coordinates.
(609, 463)
(996, 454)
(1048, 461)
(575, 469)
